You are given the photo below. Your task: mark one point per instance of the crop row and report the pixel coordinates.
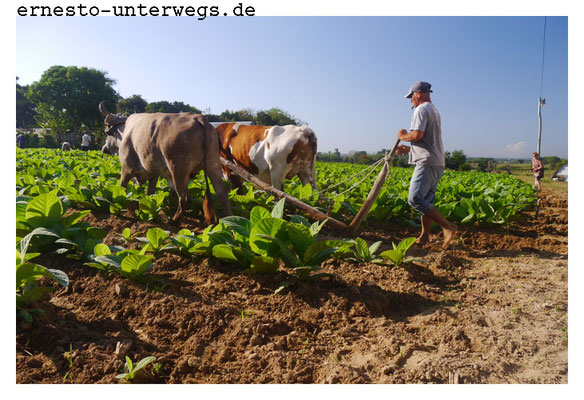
(90, 181)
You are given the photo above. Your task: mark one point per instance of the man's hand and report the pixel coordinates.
(412, 136)
(402, 150)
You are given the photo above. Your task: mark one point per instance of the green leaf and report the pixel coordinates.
(373, 248)
(303, 272)
(144, 362)
(394, 256)
(405, 244)
(258, 213)
(299, 219)
(112, 260)
(126, 234)
(133, 266)
(300, 237)
(101, 249)
(240, 225)
(278, 210)
(316, 227)
(72, 219)
(273, 227)
(44, 210)
(157, 238)
(318, 252)
(469, 218)
(232, 254)
(21, 211)
(362, 249)
(27, 271)
(277, 247)
(264, 265)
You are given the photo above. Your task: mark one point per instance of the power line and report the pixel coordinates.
(543, 56)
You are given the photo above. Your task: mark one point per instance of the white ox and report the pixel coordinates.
(272, 153)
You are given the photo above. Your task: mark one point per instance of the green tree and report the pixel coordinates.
(167, 107)
(454, 161)
(241, 115)
(25, 109)
(67, 98)
(483, 164)
(132, 104)
(276, 116)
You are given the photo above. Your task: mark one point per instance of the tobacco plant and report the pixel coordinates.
(28, 283)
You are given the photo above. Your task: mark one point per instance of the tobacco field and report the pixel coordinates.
(108, 291)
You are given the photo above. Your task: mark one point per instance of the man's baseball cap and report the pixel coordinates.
(423, 87)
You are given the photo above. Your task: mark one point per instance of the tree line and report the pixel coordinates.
(65, 100)
(456, 160)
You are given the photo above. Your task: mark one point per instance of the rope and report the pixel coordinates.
(542, 57)
(361, 181)
(371, 167)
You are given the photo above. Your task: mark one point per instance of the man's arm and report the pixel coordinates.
(412, 136)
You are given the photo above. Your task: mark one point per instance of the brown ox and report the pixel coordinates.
(173, 146)
(272, 153)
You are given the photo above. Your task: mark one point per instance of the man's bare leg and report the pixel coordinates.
(449, 229)
(426, 226)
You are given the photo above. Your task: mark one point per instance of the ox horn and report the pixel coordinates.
(102, 109)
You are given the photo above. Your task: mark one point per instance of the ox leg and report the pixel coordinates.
(307, 177)
(181, 183)
(125, 177)
(236, 182)
(152, 186)
(277, 175)
(214, 175)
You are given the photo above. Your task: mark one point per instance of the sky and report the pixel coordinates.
(346, 76)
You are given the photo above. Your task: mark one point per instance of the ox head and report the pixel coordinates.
(114, 127)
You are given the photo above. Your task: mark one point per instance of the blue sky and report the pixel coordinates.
(345, 76)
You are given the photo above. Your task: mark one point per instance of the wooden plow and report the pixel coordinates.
(347, 230)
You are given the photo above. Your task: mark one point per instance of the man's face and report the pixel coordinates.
(415, 99)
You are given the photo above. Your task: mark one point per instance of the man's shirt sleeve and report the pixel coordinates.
(419, 120)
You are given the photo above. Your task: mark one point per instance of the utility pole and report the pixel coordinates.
(540, 102)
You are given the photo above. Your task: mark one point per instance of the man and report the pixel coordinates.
(538, 170)
(20, 140)
(427, 154)
(85, 140)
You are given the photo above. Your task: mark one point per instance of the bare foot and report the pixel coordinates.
(449, 235)
(422, 240)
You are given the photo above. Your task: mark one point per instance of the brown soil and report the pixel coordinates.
(492, 309)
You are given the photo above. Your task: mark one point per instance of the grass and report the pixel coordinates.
(523, 172)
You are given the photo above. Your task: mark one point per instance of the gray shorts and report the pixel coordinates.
(423, 187)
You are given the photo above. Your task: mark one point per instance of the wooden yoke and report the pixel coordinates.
(362, 214)
(311, 211)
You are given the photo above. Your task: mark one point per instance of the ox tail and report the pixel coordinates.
(313, 144)
(208, 210)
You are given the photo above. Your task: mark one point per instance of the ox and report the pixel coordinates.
(66, 146)
(173, 146)
(272, 153)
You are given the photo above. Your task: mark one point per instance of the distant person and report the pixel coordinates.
(85, 141)
(21, 140)
(427, 153)
(66, 146)
(537, 168)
